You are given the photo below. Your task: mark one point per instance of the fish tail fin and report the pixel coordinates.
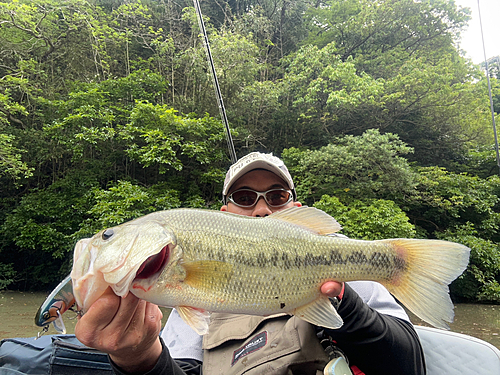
(427, 267)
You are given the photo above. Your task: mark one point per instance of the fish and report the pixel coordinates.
(202, 261)
(60, 300)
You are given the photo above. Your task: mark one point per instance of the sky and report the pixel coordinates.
(471, 38)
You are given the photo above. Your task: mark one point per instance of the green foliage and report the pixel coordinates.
(11, 164)
(368, 220)
(481, 280)
(125, 201)
(379, 34)
(368, 166)
(140, 85)
(156, 135)
(37, 233)
(423, 102)
(89, 149)
(325, 92)
(478, 161)
(444, 200)
(7, 275)
(44, 219)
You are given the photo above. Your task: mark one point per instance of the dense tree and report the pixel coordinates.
(440, 110)
(381, 35)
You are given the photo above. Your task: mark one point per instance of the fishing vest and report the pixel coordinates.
(276, 344)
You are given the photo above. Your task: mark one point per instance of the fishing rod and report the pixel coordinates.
(218, 94)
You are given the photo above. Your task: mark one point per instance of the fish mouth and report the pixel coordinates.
(153, 265)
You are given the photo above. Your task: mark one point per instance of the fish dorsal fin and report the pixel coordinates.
(320, 312)
(197, 319)
(207, 274)
(310, 218)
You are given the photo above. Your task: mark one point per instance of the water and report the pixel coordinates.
(17, 315)
(18, 309)
(481, 321)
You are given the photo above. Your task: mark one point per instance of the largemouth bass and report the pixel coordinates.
(202, 261)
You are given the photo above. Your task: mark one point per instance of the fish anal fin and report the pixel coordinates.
(310, 218)
(197, 319)
(207, 274)
(321, 313)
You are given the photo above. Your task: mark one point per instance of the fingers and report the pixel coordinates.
(113, 323)
(331, 288)
(153, 317)
(128, 314)
(97, 318)
(125, 328)
(135, 335)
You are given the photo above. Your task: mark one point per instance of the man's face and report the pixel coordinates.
(258, 180)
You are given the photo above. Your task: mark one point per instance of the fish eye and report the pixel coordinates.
(107, 234)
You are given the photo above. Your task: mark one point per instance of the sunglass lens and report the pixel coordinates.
(277, 197)
(244, 197)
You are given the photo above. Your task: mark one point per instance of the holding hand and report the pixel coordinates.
(125, 328)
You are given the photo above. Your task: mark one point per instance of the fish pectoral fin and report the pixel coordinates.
(310, 218)
(321, 313)
(197, 319)
(207, 274)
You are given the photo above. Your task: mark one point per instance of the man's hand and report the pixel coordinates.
(332, 288)
(125, 328)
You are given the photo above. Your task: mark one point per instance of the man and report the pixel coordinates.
(376, 337)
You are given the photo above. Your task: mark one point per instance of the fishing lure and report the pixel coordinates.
(55, 305)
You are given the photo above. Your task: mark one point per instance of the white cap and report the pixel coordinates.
(257, 160)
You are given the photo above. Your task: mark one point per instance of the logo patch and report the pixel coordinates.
(255, 343)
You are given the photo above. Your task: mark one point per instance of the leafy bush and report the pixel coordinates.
(124, 201)
(444, 199)
(368, 220)
(368, 166)
(481, 280)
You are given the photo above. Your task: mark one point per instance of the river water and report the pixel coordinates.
(18, 309)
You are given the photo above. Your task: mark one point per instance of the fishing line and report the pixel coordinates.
(218, 94)
(489, 89)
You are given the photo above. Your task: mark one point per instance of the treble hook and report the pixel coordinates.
(42, 332)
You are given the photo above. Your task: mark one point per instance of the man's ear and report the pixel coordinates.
(224, 208)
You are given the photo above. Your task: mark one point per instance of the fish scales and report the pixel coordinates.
(202, 261)
(268, 255)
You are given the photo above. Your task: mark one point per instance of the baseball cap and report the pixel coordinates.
(257, 160)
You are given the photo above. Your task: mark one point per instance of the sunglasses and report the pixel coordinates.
(248, 198)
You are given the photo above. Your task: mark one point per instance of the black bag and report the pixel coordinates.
(51, 355)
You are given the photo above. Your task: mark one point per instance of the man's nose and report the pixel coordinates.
(261, 208)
